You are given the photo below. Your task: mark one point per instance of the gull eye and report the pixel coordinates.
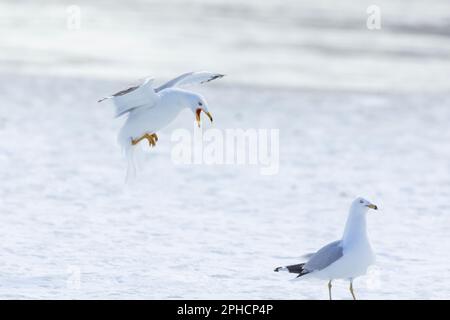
(200, 104)
(360, 201)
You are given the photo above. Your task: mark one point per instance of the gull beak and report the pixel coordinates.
(197, 115)
(372, 206)
(209, 115)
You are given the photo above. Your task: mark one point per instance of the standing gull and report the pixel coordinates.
(150, 109)
(347, 258)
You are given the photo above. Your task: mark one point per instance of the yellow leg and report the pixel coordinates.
(329, 289)
(351, 290)
(152, 138)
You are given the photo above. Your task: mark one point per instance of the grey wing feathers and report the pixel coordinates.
(134, 97)
(120, 93)
(198, 77)
(325, 256)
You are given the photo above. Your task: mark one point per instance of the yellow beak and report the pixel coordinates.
(372, 206)
(209, 115)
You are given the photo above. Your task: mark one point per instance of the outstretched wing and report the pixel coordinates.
(190, 78)
(134, 97)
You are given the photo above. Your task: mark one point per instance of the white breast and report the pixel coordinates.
(352, 264)
(148, 120)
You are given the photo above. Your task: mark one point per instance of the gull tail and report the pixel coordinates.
(295, 268)
(133, 155)
(130, 154)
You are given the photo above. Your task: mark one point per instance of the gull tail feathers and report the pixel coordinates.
(133, 155)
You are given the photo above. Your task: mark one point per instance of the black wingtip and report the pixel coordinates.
(218, 76)
(214, 77)
(277, 269)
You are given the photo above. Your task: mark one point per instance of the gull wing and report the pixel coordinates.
(325, 256)
(190, 78)
(293, 268)
(142, 95)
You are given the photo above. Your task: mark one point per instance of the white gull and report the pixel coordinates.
(347, 258)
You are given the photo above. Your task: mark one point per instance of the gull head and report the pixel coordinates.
(198, 105)
(363, 205)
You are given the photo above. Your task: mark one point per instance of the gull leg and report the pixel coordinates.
(136, 141)
(351, 290)
(152, 138)
(329, 289)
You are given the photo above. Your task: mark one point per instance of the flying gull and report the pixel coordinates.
(150, 109)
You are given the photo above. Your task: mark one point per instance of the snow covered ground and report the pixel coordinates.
(218, 231)
(71, 228)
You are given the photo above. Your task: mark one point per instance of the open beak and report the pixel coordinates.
(372, 206)
(197, 115)
(209, 115)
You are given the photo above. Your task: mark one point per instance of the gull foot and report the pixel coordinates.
(152, 139)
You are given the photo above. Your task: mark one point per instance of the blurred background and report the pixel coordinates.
(361, 112)
(307, 44)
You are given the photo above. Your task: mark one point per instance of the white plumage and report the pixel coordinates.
(150, 109)
(135, 97)
(347, 258)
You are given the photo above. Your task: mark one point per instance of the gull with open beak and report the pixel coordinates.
(150, 109)
(346, 258)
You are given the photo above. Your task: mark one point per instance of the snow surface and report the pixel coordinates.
(218, 231)
(360, 114)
